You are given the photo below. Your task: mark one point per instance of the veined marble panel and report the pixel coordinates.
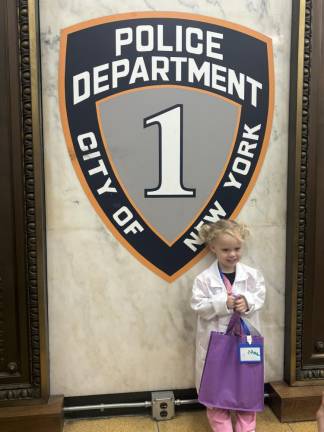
(114, 325)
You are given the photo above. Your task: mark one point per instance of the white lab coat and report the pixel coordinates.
(209, 298)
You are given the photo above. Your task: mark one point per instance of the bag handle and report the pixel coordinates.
(237, 326)
(234, 325)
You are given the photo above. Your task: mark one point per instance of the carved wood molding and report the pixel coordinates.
(311, 160)
(300, 373)
(303, 365)
(31, 237)
(32, 384)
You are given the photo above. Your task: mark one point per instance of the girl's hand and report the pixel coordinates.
(240, 304)
(230, 302)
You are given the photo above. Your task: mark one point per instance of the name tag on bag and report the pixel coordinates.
(250, 353)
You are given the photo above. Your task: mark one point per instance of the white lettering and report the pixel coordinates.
(106, 188)
(122, 216)
(216, 213)
(255, 85)
(92, 155)
(234, 82)
(134, 227)
(139, 71)
(187, 42)
(211, 45)
(195, 240)
(160, 40)
(178, 62)
(233, 182)
(178, 38)
(147, 31)
(216, 78)
(249, 133)
(198, 48)
(101, 168)
(81, 78)
(85, 137)
(195, 72)
(161, 70)
(244, 149)
(245, 166)
(120, 69)
(121, 40)
(97, 79)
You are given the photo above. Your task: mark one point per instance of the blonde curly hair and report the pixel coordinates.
(210, 231)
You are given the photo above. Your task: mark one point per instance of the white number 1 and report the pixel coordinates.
(170, 126)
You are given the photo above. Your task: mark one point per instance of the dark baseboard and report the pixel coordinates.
(81, 401)
(116, 398)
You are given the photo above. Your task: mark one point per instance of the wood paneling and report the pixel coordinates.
(23, 322)
(45, 417)
(291, 403)
(313, 296)
(13, 299)
(304, 330)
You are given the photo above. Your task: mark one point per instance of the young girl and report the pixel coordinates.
(227, 285)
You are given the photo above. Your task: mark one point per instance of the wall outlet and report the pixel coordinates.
(163, 405)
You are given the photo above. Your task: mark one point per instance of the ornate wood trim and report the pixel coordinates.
(302, 191)
(31, 239)
(27, 377)
(303, 187)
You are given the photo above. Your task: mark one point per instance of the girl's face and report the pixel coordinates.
(228, 251)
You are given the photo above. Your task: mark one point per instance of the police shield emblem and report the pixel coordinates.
(167, 118)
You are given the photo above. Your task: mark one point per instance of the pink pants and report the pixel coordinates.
(220, 420)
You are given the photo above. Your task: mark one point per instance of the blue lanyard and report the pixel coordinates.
(245, 328)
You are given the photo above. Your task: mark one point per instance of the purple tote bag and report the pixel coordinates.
(226, 382)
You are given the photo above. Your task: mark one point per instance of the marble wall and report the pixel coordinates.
(114, 325)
